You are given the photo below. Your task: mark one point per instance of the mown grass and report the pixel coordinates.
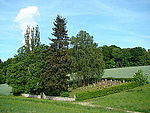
(5, 89)
(126, 72)
(137, 99)
(11, 104)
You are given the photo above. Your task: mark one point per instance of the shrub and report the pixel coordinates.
(2, 79)
(65, 94)
(106, 91)
(140, 78)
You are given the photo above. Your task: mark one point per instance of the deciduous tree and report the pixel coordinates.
(88, 58)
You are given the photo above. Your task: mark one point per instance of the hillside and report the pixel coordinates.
(137, 99)
(126, 72)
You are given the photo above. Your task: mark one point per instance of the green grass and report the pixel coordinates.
(5, 89)
(137, 99)
(11, 104)
(126, 72)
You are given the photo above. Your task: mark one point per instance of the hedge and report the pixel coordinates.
(65, 94)
(105, 91)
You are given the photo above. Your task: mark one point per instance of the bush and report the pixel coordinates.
(106, 91)
(65, 94)
(140, 78)
(2, 79)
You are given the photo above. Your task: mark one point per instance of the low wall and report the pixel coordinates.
(48, 97)
(60, 98)
(31, 96)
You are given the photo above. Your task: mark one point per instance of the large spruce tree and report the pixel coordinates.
(60, 32)
(55, 79)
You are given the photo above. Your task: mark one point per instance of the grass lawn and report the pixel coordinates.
(5, 89)
(126, 72)
(137, 99)
(12, 104)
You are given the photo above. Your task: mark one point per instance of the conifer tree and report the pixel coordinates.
(60, 33)
(54, 78)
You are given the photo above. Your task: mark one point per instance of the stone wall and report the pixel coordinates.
(43, 96)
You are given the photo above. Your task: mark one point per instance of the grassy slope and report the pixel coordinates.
(11, 104)
(126, 72)
(137, 99)
(5, 89)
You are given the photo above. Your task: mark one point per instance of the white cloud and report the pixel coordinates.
(27, 16)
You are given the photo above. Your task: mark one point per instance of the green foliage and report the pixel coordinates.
(3, 70)
(138, 56)
(55, 79)
(116, 57)
(17, 77)
(87, 58)
(140, 78)
(2, 74)
(60, 32)
(60, 27)
(106, 91)
(147, 57)
(2, 78)
(65, 94)
(24, 73)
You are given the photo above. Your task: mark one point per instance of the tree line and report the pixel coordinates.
(116, 57)
(66, 61)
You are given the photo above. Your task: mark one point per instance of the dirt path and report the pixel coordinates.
(87, 104)
(109, 108)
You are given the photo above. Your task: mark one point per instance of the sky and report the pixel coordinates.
(125, 23)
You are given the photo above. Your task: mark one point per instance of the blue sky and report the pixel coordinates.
(125, 23)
